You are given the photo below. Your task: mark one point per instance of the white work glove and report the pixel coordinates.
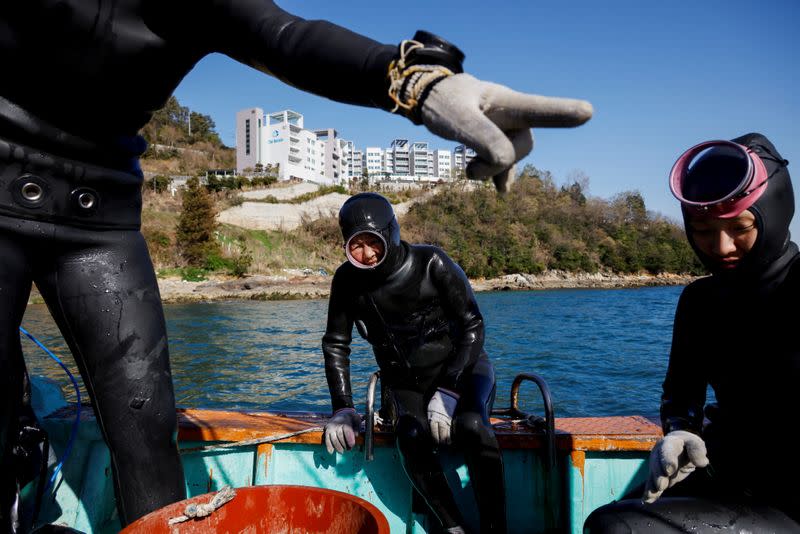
(673, 459)
(341, 429)
(441, 408)
(495, 121)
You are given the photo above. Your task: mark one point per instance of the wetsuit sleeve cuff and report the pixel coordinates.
(671, 424)
(341, 403)
(450, 392)
(448, 384)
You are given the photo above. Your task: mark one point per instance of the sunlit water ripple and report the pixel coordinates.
(602, 352)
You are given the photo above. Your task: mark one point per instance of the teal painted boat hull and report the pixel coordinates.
(538, 501)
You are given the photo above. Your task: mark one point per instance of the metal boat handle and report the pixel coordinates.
(534, 420)
(369, 422)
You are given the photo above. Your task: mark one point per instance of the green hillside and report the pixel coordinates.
(537, 226)
(540, 225)
(182, 141)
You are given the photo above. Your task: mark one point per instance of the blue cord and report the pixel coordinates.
(74, 433)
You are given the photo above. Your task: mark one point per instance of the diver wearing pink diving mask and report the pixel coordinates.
(735, 331)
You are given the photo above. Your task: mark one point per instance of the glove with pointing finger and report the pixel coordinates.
(428, 84)
(441, 408)
(495, 121)
(673, 458)
(341, 430)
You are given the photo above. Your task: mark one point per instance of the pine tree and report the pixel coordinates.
(197, 224)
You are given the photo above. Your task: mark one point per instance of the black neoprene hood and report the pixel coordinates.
(773, 211)
(371, 212)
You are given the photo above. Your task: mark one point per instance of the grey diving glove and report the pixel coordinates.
(341, 430)
(441, 408)
(495, 121)
(673, 458)
(429, 86)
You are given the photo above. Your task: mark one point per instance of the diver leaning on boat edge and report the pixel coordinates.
(415, 307)
(70, 201)
(737, 332)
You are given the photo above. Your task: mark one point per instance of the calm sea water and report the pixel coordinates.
(602, 352)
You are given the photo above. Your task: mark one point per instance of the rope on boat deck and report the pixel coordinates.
(197, 510)
(254, 441)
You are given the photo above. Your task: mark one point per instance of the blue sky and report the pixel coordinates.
(661, 76)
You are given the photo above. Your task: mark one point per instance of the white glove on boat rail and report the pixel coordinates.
(441, 408)
(673, 458)
(341, 430)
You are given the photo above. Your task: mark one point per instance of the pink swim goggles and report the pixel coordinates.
(718, 178)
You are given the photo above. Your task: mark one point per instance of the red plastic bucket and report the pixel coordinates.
(272, 510)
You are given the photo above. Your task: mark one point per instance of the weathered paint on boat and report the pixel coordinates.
(598, 460)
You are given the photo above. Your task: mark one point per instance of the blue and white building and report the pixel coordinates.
(321, 156)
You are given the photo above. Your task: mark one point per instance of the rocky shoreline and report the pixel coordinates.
(299, 285)
(296, 285)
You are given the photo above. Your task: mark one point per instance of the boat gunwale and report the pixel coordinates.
(612, 433)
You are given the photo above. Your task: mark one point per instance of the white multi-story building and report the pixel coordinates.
(335, 167)
(278, 139)
(373, 163)
(442, 164)
(248, 138)
(420, 164)
(357, 165)
(388, 163)
(397, 162)
(348, 149)
(462, 155)
(292, 147)
(345, 170)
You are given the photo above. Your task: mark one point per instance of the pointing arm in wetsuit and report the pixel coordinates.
(70, 179)
(109, 47)
(427, 83)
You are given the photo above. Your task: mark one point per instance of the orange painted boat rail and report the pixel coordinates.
(621, 433)
(616, 433)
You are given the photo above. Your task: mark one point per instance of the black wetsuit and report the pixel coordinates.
(78, 80)
(418, 312)
(737, 332)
